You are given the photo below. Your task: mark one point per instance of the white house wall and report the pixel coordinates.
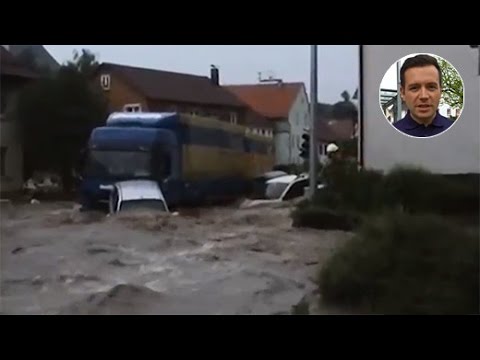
(282, 142)
(455, 151)
(299, 120)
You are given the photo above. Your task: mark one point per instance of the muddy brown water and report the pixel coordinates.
(55, 260)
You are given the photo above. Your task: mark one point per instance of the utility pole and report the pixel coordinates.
(313, 108)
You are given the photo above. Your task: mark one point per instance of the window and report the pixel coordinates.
(105, 81)
(233, 118)
(3, 161)
(153, 204)
(195, 112)
(114, 200)
(132, 108)
(107, 164)
(296, 190)
(322, 149)
(3, 102)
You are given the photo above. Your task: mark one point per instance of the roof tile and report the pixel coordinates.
(269, 100)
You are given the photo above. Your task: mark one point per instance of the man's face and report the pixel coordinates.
(422, 92)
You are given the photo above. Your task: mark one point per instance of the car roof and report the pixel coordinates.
(287, 179)
(139, 189)
(271, 175)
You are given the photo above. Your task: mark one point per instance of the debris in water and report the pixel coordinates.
(259, 249)
(18, 250)
(95, 251)
(302, 308)
(120, 300)
(37, 280)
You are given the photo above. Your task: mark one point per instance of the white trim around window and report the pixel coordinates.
(132, 108)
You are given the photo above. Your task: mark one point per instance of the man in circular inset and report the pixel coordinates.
(421, 90)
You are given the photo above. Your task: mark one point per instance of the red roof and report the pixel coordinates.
(11, 66)
(270, 100)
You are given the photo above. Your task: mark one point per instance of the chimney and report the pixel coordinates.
(214, 75)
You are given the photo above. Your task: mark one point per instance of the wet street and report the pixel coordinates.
(55, 260)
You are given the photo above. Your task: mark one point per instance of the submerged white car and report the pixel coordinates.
(136, 195)
(282, 189)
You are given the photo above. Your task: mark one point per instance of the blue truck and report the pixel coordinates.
(195, 160)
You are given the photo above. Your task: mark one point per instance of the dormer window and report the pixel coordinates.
(105, 82)
(233, 118)
(132, 108)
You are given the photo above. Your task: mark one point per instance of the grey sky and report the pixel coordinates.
(239, 64)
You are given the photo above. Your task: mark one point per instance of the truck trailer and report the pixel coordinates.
(195, 160)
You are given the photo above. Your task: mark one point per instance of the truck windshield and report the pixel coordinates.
(130, 164)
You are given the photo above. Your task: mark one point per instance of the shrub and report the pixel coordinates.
(350, 189)
(463, 195)
(312, 216)
(417, 190)
(364, 191)
(404, 264)
(412, 189)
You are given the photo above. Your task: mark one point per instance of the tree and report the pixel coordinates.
(85, 62)
(56, 116)
(345, 95)
(345, 110)
(452, 85)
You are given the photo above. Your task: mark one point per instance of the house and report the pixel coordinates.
(34, 55)
(13, 76)
(136, 89)
(286, 106)
(335, 124)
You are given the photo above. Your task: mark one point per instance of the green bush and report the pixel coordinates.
(405, 264)
(412, 189)
(364, 191)
(417, 190)
(463, 195)
(317, 217)
(351, 190)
